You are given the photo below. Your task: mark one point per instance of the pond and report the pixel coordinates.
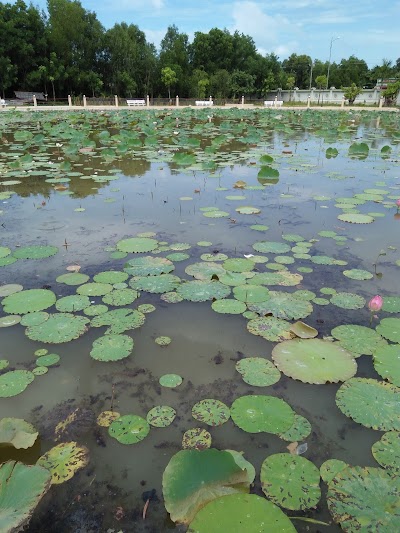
(216, 265)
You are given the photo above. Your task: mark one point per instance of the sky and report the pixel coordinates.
(365, 28)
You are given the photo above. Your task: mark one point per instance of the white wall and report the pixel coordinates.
(330, 96)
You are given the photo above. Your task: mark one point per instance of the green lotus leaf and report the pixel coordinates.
(35, 252)
(356, 218)
(21, 489)
(95, 310)
(112, 348)
(205, 271)
(248, 210)
(171, 297)
(300, 430)
(179, 246)
(271, 328)
(251, 293)
(129, 429)
(293, 237)
(58, 328)
(14, 382)
(5, 261)
(259, 227)
(314, 361)
(391, 304)
(4, 252)
(389, 328)
(330, 468)
(146, 308)
(137, 245)
(356, 273)
(161, 416)
(290, 481)
(149, 266)
(304, 331)
(258, 372)
(241, 512)
(28, 301)
(119, 320)
(365, 499)
(155, 284)
(9, 320)
(238, 265)
(358, 339)
(229, 306)
(387, 451)
(64, 460)
(48, 360)
(196, 439)
(211, 412)
(10, 288)
(232, 278)
(111, 277)
(4, 363)
(258, 413)
(177, 257)
(387, 362)
(283, 305)
(34, 319)
(170, 380)
(266, 278)
(213, 257)
(193, 478)
(184, 158)
(348, 300)
(17, 432)
(201, 291)
(374, 404)
(94, 289)
(120, 297)
(216, 214)
(359, 150)
(266, 247)
(73, 278)
(163, 341)
(73, 303)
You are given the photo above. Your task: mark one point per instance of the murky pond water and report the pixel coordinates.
(84, 182)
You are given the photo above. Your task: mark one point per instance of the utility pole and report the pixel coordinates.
(329, 61)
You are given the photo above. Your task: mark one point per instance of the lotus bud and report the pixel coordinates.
(398, 204)
(376, 303)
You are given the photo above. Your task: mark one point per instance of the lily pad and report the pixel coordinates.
(105, 418)
(9, 320)
(251, 293)
(129, 429)
(35, 252)
(149, 266)
(111, 276)
(201, 291)
(17, 433)
(163, 340)
(300, 430)
(271, 328)
(229, 306)
(73, 303)
(348, 300)
(211, 412)
(387, 451)
(290, 481)
(258, 413)
(48, 360)
(358, 339)
(34, 319)
(94, 289)
(238, 265)
(304, 331)
(112, 348)
(196, 439)
(283, 305)
(258, 372)
(64, 460)
(391, 304)
(137, 245)
(387, 362)
(119, 320)
(266, 247)
(14, 382)
(120, 297)
(374, 404)
(390, 329)
(204, 271)
(155, 284)
(10, 288)
(330, 468)
(356, 218)
(73, 278)
(58, 328)
(358, 274)
(170, 380)
(161, 416)
(28, 301)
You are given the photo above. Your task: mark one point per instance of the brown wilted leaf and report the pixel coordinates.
(292, 447)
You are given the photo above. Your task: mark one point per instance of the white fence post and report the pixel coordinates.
(242, 100)
(308, 100)
(34, 100)
(177, 101)
(147, 100)
(69, 100)
(84, 100)
(116, 100)
(343, 101)
(381, 102)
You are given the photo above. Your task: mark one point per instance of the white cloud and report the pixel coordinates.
(155, 36)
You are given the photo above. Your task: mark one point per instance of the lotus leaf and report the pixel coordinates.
(229, 306)
(9, 320)
(119, 320)
(365, 499)
(271, 328)
(290, 481)
(300, 430)
(171, 297)
(5, 261)
(251, 293)
(387, 362)
(374, 404)
(283, 305)
(259, 227)
(4, 363)
(170, 380)
(216, 214)
(59, 327)
(214, 257)
(358, 339)
(238, 265)
(348, 300)
(111, 276)
(146, 308)
(35, 252)
(201, 291)
(192, 478)
(129, 429)
(248, 210)
(387, 451)
(356, 273)
(94, 289)
(356, 218)
(314, 361)
(289, 279)
(28, 301)
(177, 256)
(211, 412)
(40, 370)
(21, 489)
(64, 460)
(10, 288)
(391, 304)
(14, 382)
(179, 246)
(258, 413)
(283, 260)
(105, 418)
(17, 432)
(95, 310)
(148, 266)
(137, 245)
(196, 439)
(163, 341)
(161, 416)
(155, 284)
(4, 252)
(241, 512)
(266, 247)
(73, 278)
(33, 319)
(73, 303)
(232, 278)
(48, 360)
(258, 372)
(330, 468)
(389, 328)
(120, 297)
(304, 331)
(205, 271)
(112, 348)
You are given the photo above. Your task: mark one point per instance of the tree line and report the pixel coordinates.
(68, 51)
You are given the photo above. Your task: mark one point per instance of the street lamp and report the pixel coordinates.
(312, 66)
(329, 61)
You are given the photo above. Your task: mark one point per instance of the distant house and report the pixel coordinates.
(383, 83)
(26, 97)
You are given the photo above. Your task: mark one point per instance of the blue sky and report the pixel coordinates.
(367, 29)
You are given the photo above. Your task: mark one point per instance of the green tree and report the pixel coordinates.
(220, 84)
(199, 83)
(391, 93)
(8, 74)
(51, 71)
(242, 83)
(168, 77)
(299, 67)
(351, 93)
(290, 81)
(321, 81)
(348, 71)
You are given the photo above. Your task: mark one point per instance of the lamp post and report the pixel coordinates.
(312, 66)
(329, 61)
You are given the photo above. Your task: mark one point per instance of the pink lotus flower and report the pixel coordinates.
(376, 303)
(398, 203)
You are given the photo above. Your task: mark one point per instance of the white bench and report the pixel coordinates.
(204, 102)
(3, 103)
(273, 103)
(135, 102)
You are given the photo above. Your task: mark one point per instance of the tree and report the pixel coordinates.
(174, 53)
(8, 74)
(199, 83)
(299, 67)
(51, 71)
(220, 84)
(391, 93)
(168, 77)
(290, 81)
(321, 81)
(241, 83)
(351, 93)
